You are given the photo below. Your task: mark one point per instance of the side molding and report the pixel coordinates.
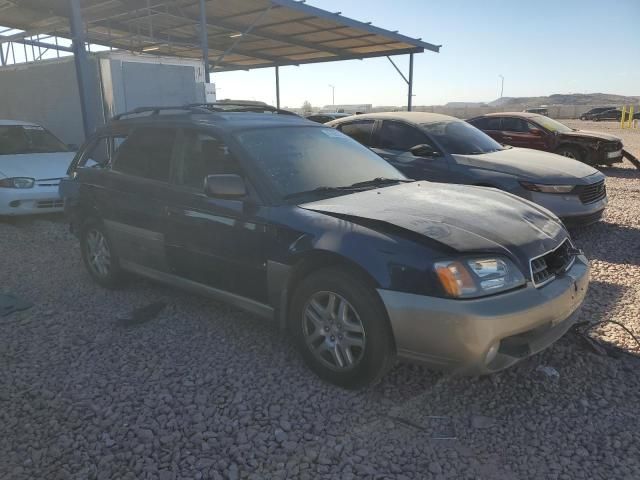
(247, 304)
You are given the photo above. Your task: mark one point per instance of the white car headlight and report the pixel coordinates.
(17, 182)
(477, 277)
(540, 187)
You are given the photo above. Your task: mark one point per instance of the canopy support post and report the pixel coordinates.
(82, 67)
(204, 40)
(410, 82)
(277, 87)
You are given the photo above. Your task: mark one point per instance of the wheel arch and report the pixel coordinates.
(573, 146)
(307, 263)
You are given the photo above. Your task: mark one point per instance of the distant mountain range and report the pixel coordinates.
(603, 99)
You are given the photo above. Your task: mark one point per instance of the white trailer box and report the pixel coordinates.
(46, 92)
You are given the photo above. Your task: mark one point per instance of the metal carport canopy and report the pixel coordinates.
(227, 34)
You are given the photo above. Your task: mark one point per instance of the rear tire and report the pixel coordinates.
(571, 152)
(341, 329)
(99, 256)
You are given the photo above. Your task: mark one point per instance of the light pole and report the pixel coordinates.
(501, 85)
(333, 95)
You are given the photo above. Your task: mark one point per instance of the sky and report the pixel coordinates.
(541, 47)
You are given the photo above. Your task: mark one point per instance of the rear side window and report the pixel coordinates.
(360, 131)
(101, 152)
(147, 153)
(398, 136)
(487, 123)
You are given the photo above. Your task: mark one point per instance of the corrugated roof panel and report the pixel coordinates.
(252, 32)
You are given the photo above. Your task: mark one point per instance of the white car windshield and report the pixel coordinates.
(18, 139)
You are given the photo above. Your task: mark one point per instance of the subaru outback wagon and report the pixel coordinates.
(295, 221)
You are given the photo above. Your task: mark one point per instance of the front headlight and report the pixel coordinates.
(540, 187)
(477, 277)
(17, 182)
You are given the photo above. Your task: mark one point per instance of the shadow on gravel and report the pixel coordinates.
(617, 172)
(602, 299)
(142, 315)
(622, 245)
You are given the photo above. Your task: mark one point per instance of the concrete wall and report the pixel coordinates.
(46, 93)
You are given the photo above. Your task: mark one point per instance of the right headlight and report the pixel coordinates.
(478, 277)
(540, 187)
(17, 182)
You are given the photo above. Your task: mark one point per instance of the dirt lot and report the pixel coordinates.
(206, 391)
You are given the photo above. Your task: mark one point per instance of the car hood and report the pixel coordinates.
(464, 218)
(529, 164)
(590, 135)
(36, 165)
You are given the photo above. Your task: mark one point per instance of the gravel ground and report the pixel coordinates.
(206, 391)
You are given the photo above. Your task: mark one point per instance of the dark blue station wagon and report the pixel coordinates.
(295, 221)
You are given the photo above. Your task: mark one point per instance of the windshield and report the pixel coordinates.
(17, 139)
(551, 124)
(456, 136)
(302, 159)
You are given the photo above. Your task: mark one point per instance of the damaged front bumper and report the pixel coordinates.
(484, 335)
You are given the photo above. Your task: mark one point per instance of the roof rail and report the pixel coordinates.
(156, 110)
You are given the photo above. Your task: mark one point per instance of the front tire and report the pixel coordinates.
(571, 152)
(99, 256)
(341, 329)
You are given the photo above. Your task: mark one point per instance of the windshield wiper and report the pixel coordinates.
(322, 189)
(374, 182)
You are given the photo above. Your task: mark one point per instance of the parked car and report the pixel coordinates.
(589, 115)
(543, 133)
(429, 146)
(538, 110)
(295, 221)
(326, 117)
(32, 162)
(612, 114)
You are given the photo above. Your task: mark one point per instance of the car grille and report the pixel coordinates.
(612, 146)
(48, 182)
(545, 268)
(58, 203)
(593, 193)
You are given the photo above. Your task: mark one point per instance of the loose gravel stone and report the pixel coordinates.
(204, 391)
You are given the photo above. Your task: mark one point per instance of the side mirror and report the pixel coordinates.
(536, 132)
(424, 150)
(225, 186)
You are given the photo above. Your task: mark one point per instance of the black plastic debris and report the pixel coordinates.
(600, 346)
(142, 315)
(10, 303)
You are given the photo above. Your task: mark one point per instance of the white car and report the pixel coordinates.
(32, 163)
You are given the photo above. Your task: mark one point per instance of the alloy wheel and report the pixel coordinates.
(333, 331)
(98, 253)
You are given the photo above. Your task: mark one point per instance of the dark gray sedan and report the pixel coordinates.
(439, 148)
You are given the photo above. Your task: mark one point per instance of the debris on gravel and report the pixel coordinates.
(205, 391)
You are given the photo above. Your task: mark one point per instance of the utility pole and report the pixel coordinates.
(333, 95)
(501, 85)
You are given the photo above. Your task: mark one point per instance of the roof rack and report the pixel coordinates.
(157, 110)
(240, 106)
